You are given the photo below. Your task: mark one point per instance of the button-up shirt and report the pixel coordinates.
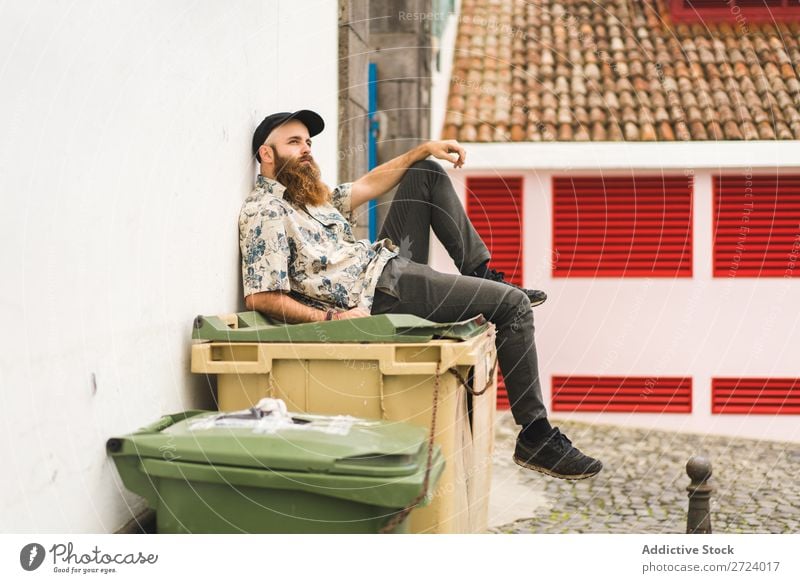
(310, 252)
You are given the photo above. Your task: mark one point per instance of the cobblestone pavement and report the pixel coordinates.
(642, 488)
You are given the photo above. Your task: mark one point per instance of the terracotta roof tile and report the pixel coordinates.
(715, 131)
(732, 130)
(468, 133)
(682, 131)
(698, 130)
(578, 71)
(765, 131)
(782, 131)
(599, 132)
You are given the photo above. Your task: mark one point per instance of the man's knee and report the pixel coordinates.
(518, 310)
(429, 166)
(422, 180)
(517, 297)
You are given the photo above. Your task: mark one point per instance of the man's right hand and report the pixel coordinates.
(357, 312)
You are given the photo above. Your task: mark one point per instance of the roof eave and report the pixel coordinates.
(561, 156)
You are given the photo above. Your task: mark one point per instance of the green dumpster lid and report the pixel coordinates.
(295, 442)
(396, 328)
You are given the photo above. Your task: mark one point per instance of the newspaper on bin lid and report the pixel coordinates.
(394, 328)
(379, 462)
(268, 436)
(271, 416)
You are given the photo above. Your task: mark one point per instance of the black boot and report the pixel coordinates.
(554, 455)
(536, 296)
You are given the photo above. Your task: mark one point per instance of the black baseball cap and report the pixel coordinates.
(312, 120)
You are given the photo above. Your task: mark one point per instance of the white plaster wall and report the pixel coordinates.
(124, 159)
(700, 327)
(440, 81)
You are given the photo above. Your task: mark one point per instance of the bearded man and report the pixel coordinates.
(301, 263)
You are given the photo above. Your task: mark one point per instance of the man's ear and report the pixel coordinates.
(266, 154)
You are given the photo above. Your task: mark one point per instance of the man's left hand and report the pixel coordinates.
(357, 312)
(449, 150)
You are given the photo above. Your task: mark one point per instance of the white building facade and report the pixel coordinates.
(693, 348)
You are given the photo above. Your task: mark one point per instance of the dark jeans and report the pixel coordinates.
(425, 198)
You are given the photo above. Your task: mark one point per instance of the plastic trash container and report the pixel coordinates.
(379, 367)
(207, 472)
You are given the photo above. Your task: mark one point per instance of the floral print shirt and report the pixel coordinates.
(310, 252)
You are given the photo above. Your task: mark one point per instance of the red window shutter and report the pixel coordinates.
(734, 10)
(756, 225)
(502, 394)
(728, 4)
(755, 396)
(494, 205)
(622, 394)
(622, 226)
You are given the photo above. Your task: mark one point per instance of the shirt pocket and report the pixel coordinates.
(335, 224)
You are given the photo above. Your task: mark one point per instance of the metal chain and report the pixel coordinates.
(403, 514)
(466, 386)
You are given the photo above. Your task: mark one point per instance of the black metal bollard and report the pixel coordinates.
(698, 521)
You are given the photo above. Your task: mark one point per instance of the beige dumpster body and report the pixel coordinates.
(394, 382)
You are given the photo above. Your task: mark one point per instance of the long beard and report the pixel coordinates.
(302, 182)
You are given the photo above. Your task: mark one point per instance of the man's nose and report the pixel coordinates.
(306, 150)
